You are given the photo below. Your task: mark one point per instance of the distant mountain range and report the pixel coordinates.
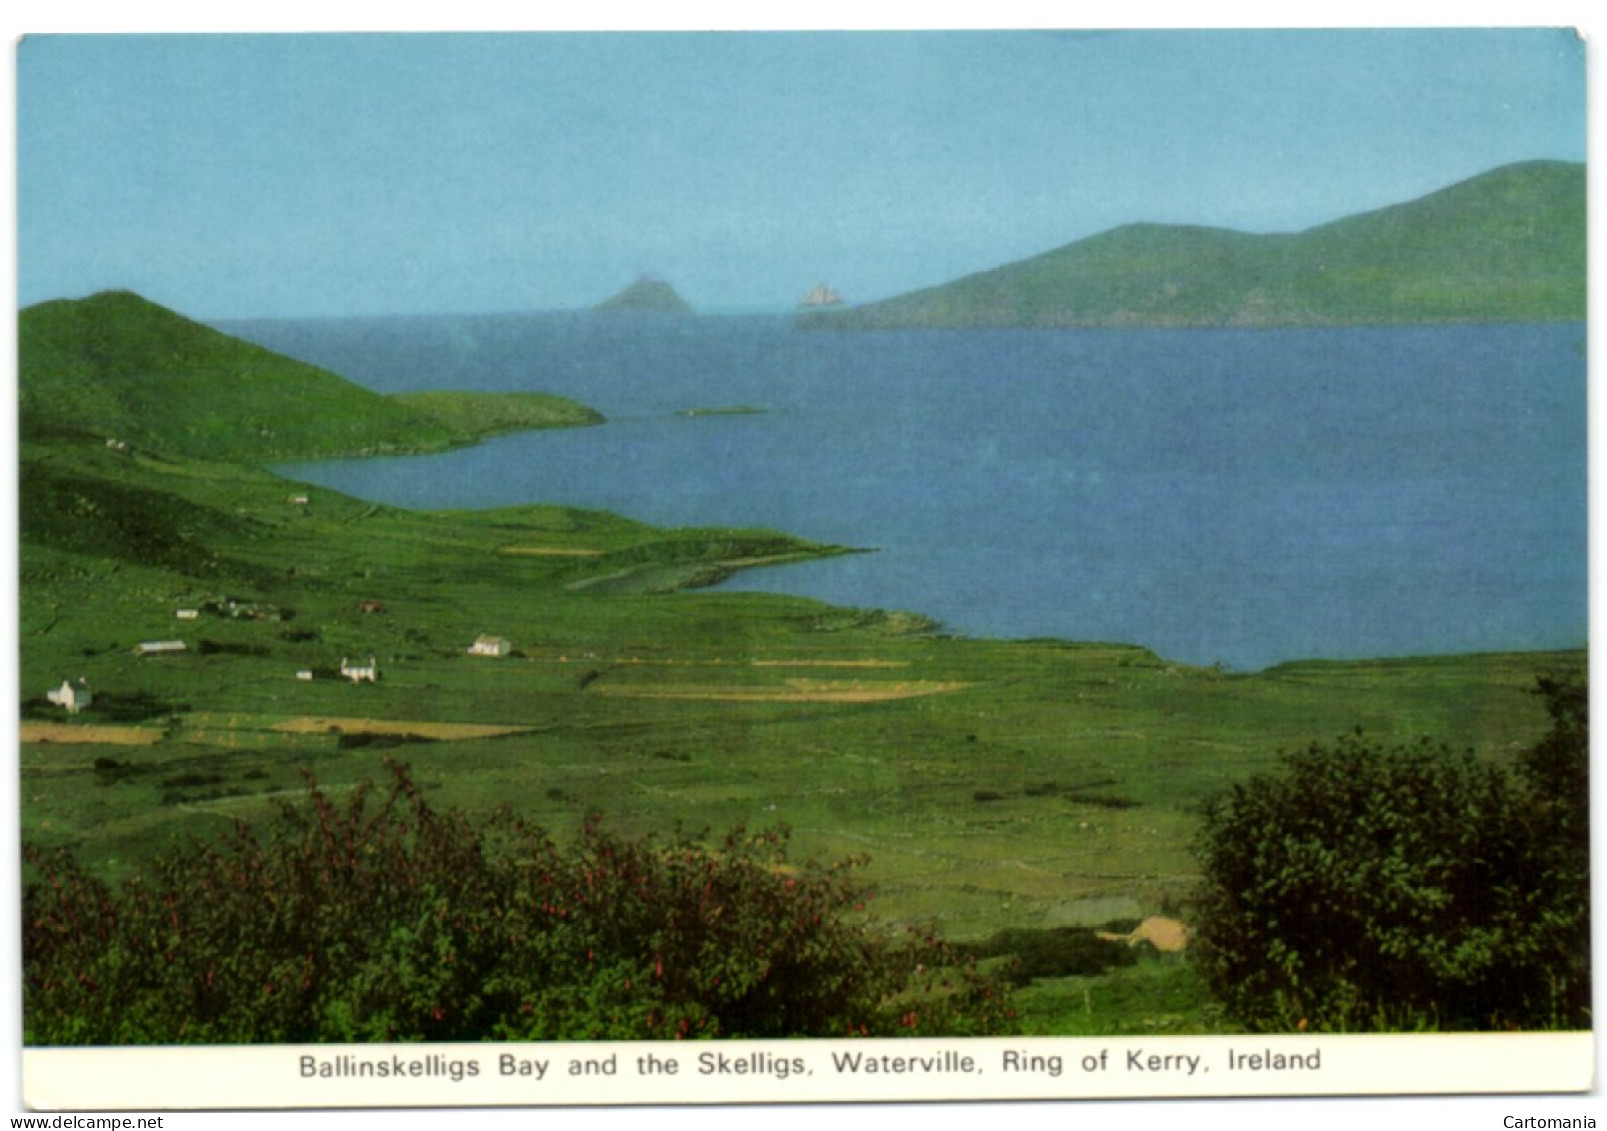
(649, 295)
(1508, 245)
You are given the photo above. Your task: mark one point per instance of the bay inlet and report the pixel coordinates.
(1220, 496)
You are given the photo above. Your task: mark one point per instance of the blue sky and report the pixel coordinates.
(288, 175)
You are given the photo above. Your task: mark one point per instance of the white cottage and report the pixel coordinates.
(490, 646)
(74, 696)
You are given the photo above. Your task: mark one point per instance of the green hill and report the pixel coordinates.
(1508, 245)
(118, 366)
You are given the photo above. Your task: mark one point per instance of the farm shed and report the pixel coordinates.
(159, 647)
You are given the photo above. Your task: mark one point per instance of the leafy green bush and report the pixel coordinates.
(1369, 887)
(368, 922)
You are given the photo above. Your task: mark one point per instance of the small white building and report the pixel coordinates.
(159, 647)
(490, 646)
(187, 614)
(74, 696)
(357, 673)
(304, 674)
(298, 500)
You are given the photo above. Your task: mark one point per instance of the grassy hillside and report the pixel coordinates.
(120, 368)
(1505, 246)
(488, 414)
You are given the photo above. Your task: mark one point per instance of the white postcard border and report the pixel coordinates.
(802, 1071)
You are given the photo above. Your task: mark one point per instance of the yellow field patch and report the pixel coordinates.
(793, 691)
(95, 735)
(422, 728)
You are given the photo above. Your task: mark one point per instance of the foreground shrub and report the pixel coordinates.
(391, 921)
(1367, 887)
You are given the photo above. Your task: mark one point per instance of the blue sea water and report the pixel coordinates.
(1234, 496)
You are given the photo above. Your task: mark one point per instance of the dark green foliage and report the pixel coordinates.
(1102, 801)
(86, 514)
(1557, 771)
(1558, 767)
(1368, 887)
(206, 647)
(1054, 952)
(110, 771)
(132, 707)
(362, 922)
(39, 707)
(364, 739)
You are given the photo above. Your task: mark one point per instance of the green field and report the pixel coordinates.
(1030, 785)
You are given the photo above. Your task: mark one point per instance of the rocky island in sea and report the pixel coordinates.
(649, 294)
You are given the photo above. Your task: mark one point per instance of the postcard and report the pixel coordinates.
(700, 568)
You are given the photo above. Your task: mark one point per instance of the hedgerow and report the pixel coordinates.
(391, 921)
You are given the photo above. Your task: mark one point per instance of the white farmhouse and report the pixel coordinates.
(74, 696)
(357, 673)
(490, 646)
